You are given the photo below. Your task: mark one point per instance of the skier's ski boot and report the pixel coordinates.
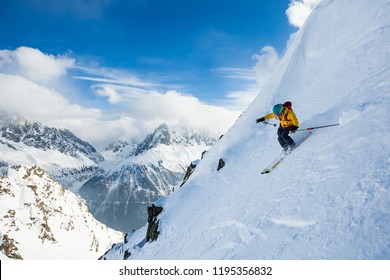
(291, 148)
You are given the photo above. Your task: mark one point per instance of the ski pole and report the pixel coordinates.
(269, 123)
(316, 127)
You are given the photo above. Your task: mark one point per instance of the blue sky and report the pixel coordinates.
(113, 52)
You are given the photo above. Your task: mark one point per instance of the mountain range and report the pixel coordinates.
(68, 159)
(117, 183)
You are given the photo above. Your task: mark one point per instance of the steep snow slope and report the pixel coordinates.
(330, 199)
(39, 219)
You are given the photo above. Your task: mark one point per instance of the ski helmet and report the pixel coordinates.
(278, 109)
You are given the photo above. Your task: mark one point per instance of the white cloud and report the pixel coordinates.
(175, 108)
(110, 92)
(34, 65)
(252, 79)
(134, 106)
(299, 10)
(236, 73)
(240, 99)
(149, 105)
(37, 102)
(21, 95)
(112, 76)
(266, 62)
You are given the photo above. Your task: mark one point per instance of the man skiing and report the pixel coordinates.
(288, 123)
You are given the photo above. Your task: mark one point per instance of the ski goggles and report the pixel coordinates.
(281, 112)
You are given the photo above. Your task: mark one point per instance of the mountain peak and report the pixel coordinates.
(150, 170)
(164, 135)
(160, 135)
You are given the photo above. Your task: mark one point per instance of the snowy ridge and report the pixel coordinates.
(331, 198)
(39, 219)
(59, 152)
(33, 134)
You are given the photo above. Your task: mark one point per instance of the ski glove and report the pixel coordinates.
(293, 129)
(260, 120)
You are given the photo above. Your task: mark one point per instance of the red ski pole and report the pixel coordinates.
(316, 127)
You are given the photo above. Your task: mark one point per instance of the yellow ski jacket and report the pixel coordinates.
(286, 120)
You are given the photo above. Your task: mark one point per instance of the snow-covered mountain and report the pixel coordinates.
(139, 174)
(45, 138)
(118, 183)
(15, 129)
(39, 219)
(68, 159)
(330, 198)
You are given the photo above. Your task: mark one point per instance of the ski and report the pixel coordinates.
(283, 155)
(274, 164)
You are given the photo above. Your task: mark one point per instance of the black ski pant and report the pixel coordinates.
(283, 137)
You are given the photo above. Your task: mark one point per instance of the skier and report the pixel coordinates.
(288, 123)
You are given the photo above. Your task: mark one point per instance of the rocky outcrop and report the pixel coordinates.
(39, 218)
(189, 171)
(152, 232)
(9, 249)
(221, 164)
